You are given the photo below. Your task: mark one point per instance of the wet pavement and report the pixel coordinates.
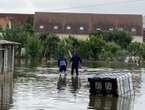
(42, 88)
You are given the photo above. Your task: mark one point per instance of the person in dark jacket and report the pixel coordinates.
(62, 64)
(76, 60)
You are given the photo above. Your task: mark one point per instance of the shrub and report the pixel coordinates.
(34, 47)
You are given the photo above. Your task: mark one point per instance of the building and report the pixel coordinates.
(81, 24)
(7, 49)
(77, 24)
(7, 18)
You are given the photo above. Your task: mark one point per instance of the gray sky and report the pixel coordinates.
(93, 6)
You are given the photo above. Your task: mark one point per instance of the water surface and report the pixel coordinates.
(42, 88)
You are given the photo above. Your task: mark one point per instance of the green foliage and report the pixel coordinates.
(121, 55)
(96, 33)
(62, 48)
(84, 49)
(110, 50)
(16, 33)
(113, 45)
(73, 42)
(34, 47)
(67, 45)
(50, 42)
(142, 53)
(135, 49)
(96, 46)
(121, 38)
(29, 24)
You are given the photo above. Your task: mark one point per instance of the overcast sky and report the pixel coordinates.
(93, 6)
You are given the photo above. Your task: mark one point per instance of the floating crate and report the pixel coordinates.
(117, 84)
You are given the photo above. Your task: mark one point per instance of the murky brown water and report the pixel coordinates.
(42, 88)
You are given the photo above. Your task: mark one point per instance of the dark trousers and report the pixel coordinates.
(74, 67)
(62, 68)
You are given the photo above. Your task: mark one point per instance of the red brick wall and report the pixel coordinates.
(18, 18)
(3, 22)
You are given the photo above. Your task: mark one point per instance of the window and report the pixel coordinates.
(110, 29)
(55, 27)
(98, 29)
(81, 28)
(133, 30)
(41, 27)
(68, 28)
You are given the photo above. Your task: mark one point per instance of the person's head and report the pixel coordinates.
(75, 53)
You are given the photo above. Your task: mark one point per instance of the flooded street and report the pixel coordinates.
(41, 88)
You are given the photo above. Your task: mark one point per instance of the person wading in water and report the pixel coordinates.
(76, 60)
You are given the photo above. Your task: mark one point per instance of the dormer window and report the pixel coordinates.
(41, 27)
(68, 28)
(55, 27)
(98, 29)
(133, 30)
(110, 29)
(82, 28)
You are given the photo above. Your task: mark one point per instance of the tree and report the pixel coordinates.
(28, 26)
(110, 50)
(122, 38)
(96, 46)
(84, 49)
(50, 42)
(143, 51)
(16, 34)
(135, 49)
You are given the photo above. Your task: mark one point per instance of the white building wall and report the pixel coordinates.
(85, 37)
(138, 39)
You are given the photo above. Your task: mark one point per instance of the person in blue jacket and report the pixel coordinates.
(62, 64)
(76, 60)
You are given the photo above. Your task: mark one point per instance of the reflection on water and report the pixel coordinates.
(6, 90)
(75, 85)
(61, 84)
(111, 103)
(137, 80)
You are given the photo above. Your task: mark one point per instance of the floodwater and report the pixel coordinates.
(41, 88)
